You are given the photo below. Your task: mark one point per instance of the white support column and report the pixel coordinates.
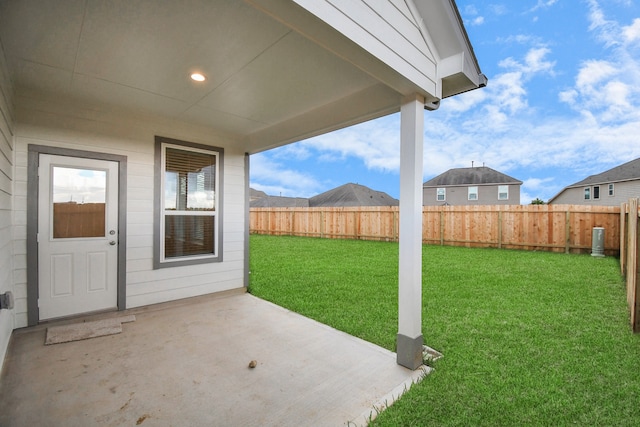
(409, 340)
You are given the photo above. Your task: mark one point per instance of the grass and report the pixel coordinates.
(529, 338)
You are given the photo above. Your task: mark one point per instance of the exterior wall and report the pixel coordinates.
(6, 203)
(458, 195)
(623, 191)
(102, 129)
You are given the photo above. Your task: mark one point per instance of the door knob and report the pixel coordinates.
(112, 242)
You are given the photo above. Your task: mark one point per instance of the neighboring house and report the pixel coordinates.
(609, 188)
(256, 194)
(352, 195)
(260, 199)
(345, 195)
(471, 186)
(101, 125)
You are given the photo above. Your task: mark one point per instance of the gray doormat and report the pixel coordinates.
(86, 330)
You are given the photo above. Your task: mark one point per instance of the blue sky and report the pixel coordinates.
(562, 103)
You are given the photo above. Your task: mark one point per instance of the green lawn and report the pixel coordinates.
(529, 338)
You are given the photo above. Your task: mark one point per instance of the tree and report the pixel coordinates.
(537, 201)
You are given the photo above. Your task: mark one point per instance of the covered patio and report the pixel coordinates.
(186, 363)
(121, 92)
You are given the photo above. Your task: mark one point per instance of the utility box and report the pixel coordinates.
(597, 242)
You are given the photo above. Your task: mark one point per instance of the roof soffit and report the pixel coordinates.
(272, 78)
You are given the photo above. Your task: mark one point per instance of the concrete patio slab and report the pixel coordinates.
(186, 364)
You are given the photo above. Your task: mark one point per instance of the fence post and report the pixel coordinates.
(441, 228)
(567, 232)
(623, 238)
(356, 223)
(636, 271)
(395, 225)
(632, 265)
(500, 229)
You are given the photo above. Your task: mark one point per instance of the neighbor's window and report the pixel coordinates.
(188, 205)
(587, 193)
(596, 192)
(473, 193)
(611, 189)
(503, 192)
(441, 194)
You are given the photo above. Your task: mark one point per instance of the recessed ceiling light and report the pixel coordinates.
(198, 77)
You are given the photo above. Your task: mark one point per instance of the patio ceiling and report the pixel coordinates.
(265, 82)
(276, 72)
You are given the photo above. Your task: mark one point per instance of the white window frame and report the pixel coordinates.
(596, 192)
(503, 192)
(160, 261)
(441, 192)
(472, 193)
(611, 190)
(587, 193)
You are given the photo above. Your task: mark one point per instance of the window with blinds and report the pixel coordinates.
(472, 193)
(503, 192)
(189, 202)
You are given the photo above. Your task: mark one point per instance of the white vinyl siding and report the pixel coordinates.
(387, 30)
(10, 258)
(622, 192)
(459, 195)
(95, 128)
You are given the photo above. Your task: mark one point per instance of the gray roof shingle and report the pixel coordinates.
(352, 195)
(470, 176)
(625, 172)
(280, 202)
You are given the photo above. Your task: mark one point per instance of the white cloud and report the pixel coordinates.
(272, 177)
(535, 184)
(608, 90)
(475, 19)
(592, 73)
(606, 30)
(470, 10)
(376, 143)
(631, 33)
(543, 4)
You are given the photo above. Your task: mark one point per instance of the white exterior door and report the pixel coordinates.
(77, 235)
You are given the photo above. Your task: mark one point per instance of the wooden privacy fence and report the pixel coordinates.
(557, 228)
(629, 262)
